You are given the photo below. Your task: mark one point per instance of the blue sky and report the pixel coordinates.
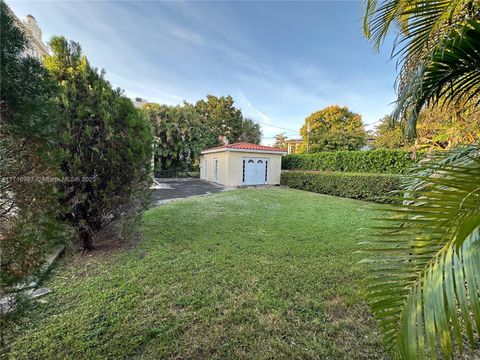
(279, 60)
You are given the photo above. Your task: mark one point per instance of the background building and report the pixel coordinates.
(241, 164)
(293, 145)
(29, 25)
(34, 33)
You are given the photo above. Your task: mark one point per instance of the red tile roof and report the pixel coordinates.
(246, 146)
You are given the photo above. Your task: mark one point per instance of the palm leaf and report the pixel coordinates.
(424, 285)
(424, 29)
(452, 74)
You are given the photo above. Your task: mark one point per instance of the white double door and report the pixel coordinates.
(255, 171)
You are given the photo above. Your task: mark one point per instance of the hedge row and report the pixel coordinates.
(369, 161)
(369, 187)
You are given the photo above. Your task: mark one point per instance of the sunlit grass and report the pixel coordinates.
(251, 273)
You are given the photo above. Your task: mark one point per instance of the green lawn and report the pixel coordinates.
(252, 273)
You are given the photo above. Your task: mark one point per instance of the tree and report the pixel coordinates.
(424, 286)
(221, 117)
(106, 143)
(28, 157)
(182, 132)
(437, 57)
(439, 127)
(333, 128)
(388, 134)
(447, 127)
(250, 132)
(29, 228)
(280, 141)
(180, 135)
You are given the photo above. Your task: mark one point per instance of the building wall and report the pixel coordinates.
(236, 167)
(293, 146)
(222, 167)
(231, 167)
(34, 33)
(36, 47)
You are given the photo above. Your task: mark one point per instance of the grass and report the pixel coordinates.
(251, 273)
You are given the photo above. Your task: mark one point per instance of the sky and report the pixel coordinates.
(280, 61)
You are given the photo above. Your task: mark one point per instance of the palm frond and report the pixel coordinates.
(425, 30)
(424, 284)
(420, 24)
(452, 74)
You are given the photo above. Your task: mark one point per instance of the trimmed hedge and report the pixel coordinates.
(369, 187)
(391, 161)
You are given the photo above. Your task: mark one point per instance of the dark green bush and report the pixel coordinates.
(369, 161)
(369, 187)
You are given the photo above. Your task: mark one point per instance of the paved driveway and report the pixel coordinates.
(166, 190)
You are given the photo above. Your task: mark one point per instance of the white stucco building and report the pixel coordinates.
(34, 33)
(242, 164)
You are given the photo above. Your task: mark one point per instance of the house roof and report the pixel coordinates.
(245, 147)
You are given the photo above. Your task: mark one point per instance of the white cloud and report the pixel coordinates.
(249, 110)
(186, 34)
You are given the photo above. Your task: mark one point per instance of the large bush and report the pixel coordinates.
(370, 187)
(106, 143)
(28, 158)
(370, 161)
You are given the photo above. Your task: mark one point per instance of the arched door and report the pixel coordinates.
(255, 171)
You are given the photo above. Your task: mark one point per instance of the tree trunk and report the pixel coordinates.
(87, 240)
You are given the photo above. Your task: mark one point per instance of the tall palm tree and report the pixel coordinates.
(250, 132)
(424, 285)
(280, 141)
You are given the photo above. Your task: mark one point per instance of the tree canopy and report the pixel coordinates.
(179, 133)
(333, 128)
(222, 118)
(250, 132)
(280, 141)
(440, 127)
(388, 134)
(183, 131)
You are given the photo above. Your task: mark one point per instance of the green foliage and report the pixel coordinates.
(333, 128)
(221, 117)
(452, 74)
(424, 285)
(439, 127)
(429, 250)
(180, 136)
(29, 227)
(223, 120)
(369, 187)
(250, 132)
(28, 158)
(388, 134)
(436, 47)
(182, 132)
(280, 141)
(106, 143)
(369, 161)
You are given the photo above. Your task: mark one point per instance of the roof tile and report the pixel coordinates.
(246, 146)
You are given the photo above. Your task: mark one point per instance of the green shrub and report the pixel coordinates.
(106, 144)
(370, 161)
(369, 187)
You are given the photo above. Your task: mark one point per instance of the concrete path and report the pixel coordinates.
(166, 190)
